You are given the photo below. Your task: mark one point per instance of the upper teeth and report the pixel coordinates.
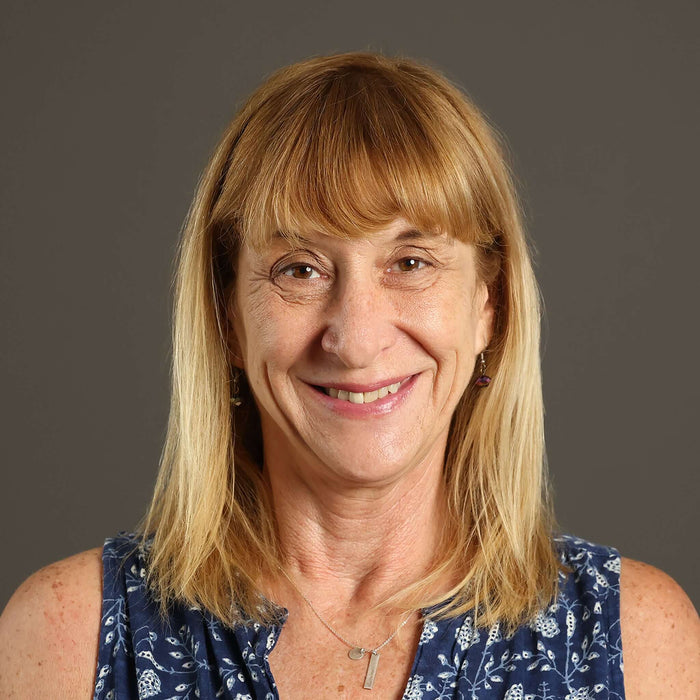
(363, 397)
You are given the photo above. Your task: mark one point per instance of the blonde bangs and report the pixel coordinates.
(348, 155)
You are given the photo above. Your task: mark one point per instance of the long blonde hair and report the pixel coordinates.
(345, 144)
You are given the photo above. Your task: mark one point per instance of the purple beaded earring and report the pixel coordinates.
(236, 398)
(483, 379)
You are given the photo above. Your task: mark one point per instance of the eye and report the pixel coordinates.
(409, 265)
(301, 272)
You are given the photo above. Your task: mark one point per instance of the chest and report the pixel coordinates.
(306, 666)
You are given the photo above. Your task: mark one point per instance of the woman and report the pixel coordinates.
(352, 497)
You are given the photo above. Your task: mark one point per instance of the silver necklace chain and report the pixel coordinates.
(347, 643)
(356, 651)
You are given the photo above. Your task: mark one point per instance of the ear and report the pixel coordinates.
(484, 309)
(233, 331)
(234, 353)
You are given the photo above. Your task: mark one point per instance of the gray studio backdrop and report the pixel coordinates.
(110, 111)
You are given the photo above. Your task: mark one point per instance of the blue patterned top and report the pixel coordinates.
(571, 651)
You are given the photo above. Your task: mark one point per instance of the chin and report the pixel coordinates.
(369, 466)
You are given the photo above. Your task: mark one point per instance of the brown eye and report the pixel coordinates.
(409, 264)
(301, 272)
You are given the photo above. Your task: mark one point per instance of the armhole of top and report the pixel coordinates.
(105, 658)
(612, 614)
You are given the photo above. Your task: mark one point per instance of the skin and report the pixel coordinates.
(357, 491)
(361, 318)
(358, 498)
(49, 631)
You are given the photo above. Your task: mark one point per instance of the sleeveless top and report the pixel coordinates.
(572, 649)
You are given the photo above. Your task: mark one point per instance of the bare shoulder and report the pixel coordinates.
(49, 631)
(660, 635)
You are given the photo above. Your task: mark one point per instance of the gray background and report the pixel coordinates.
(110, 111)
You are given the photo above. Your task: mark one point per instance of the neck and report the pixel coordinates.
(359, 544)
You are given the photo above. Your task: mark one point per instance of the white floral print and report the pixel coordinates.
(571, 651)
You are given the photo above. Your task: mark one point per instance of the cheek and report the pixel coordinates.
(444, 323)
(275, 334)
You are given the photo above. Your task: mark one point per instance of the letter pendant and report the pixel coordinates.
(371, 670)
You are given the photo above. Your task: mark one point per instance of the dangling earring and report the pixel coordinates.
(483, 379)
(236, 399)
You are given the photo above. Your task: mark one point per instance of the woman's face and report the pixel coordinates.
(357, 351)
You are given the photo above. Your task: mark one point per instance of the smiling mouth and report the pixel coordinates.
(361, 397)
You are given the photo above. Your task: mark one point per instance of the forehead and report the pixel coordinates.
(398, 232)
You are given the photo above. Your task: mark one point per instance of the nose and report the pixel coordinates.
(361, 323)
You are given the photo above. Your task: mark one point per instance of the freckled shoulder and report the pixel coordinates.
(660, 635)
(49, 631)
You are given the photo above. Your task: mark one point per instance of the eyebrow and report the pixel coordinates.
(412, 234)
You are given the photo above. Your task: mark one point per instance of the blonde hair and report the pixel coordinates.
(346, 144)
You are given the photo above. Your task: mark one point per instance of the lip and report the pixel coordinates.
(361, 388)
(359, 410)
